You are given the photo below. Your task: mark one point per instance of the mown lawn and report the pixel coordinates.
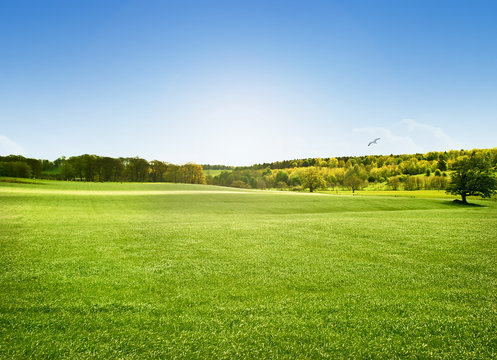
(182, 271)
(433, 194)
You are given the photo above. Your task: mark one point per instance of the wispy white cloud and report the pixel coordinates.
(408, 136)
(426, 135)
(9, 147)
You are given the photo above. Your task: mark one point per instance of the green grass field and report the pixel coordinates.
(434, 194)
(137, 271)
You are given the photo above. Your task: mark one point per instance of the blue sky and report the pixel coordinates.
(243, 82)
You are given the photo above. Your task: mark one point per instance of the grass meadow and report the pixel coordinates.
(138, 271)
(434, 194)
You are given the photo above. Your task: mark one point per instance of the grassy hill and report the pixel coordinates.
(111, 270)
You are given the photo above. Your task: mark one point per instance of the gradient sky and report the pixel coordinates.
(243, 82)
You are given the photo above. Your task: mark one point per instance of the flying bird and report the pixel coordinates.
(374, 141)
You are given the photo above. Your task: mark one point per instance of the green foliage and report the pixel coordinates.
(281, 176)
(394, 182)
(19, 166)
(410, 183)
(191, 174)
(436, 183)
(15, 169)
(442, 165)
(339, 173)
(354, 173)
(473, 175)
(295, 180)
(312, 179)
(353, 181)
(239, 184)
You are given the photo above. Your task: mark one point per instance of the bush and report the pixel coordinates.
(261, 184)
(410, 183)
(281, 176)
(295, 180)
(239, 184)
(393, 182)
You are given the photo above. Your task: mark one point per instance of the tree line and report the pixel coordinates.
(409, 172)
(19, 166)
(432, 170)
(101, 168)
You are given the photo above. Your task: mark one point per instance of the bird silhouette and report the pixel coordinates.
(374, 141)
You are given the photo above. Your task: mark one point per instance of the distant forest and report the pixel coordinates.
(408, 172)
(101, 168)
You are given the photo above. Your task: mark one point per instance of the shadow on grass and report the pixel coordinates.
(19, 181)
(459, 203)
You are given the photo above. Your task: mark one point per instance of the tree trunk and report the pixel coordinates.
(463, 196)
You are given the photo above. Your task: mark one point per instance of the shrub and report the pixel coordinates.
(239, 184)
(295, 180)
(393, 182)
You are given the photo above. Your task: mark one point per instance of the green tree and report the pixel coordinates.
(191, 174)
(353, 181)
(294, 179)
(393, 182)
(91, 167)
(171, 174)
(261, 184)
(34, 166)
(281, 176)
(312, 179)
(17, 169)
(136, 169)
(73, 168)
(67, 171)
(410, 183)
(472, 176)
(239, 184)
(442, 165)
(157, 170)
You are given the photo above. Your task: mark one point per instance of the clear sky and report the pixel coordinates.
(243, 82)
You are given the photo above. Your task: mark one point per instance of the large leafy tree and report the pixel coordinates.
(473, 176)
(354, 178)
(191, 174)
(157, 170)
(281, 176)
(312, 179)
(353, 182)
